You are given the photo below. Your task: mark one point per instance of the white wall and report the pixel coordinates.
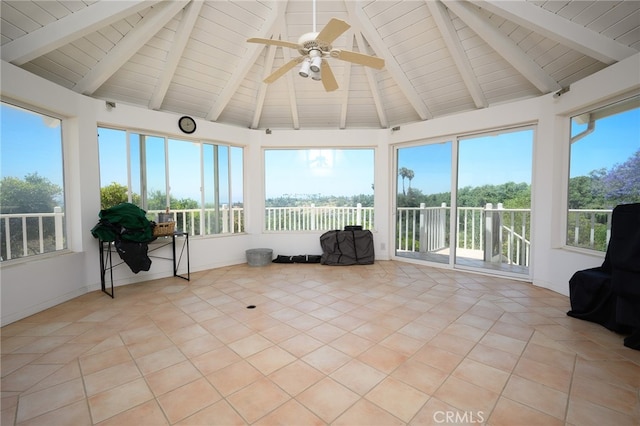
(30, 286)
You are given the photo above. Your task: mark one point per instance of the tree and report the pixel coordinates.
(114, 194)
(622, 181)
(406, 174)
(33, 194)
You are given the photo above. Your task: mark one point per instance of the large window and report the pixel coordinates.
(604, 170)
(199, 182)
(32, 186)
(318, 189)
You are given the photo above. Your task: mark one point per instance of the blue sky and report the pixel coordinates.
(482, 160)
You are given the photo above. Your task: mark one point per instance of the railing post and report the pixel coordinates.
(359, 214)
(421, 231)
(442, 225)
(492, 231)
(58, 227)
(225, 218)
(313, 217)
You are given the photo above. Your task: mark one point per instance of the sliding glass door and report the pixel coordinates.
(493, 200)
(484, 222)
(423, 202)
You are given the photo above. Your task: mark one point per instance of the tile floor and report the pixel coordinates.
(388, 344)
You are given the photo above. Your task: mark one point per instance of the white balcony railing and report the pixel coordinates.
(501, 234)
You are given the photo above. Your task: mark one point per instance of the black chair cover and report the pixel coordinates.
(610, 294)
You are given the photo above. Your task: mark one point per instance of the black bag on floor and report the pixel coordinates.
(352, 247)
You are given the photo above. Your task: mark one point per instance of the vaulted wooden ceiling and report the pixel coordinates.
(441, 57)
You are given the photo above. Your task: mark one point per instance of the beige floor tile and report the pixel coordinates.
(27, 376)
(421, 376)
(200, 345)
(504, 343)
(508, 412)
(188, 399)
(218, 413)
(585, 413)
(234, 377)
(172, 377)
(536, 395)
(250, 345)
(159, 360)
(92, 363)
(437, 412)
(482, 375)
(119, 399)
(111, 377)
(290, 413)
(214, 360)
(398, 398)
(148, 413)
(401, 343)
(546, 374)
(327, 399)
(358, 376)
(255, 401)
(351, 344)
(37, 403)
(76, 413)
(382, 358)
(301, 345)
(619, 398)
(326, 359)
(296, 377)
(67, 373)
(279, 333)
(326, 332)
(366, 413)
(271, 359)
(466, 396)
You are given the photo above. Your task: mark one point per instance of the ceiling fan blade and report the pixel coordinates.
(283, 70)
(328, 79)
(273, 42)
(358, 58)
(333, 30)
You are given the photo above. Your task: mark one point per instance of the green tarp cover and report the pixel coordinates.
(125, 221)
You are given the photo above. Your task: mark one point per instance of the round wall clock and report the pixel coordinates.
(187, 124)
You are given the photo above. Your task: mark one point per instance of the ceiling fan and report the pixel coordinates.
(314, 47)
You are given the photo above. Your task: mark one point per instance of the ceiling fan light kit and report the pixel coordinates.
(314, 47)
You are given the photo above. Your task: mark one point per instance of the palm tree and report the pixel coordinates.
(406, 174)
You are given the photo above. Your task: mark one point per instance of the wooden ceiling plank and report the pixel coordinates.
(448, 32)
(562, 30)
(128, 46)
(346, 85)
(68, 29)
(181, 37)
(262, 91)
(359, 20)
(248, 59)
(375, 90)
(506, 47)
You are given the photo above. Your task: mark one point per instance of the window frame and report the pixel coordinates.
(63, 142)
(566, 118)
(263, 216)
(167, 140)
